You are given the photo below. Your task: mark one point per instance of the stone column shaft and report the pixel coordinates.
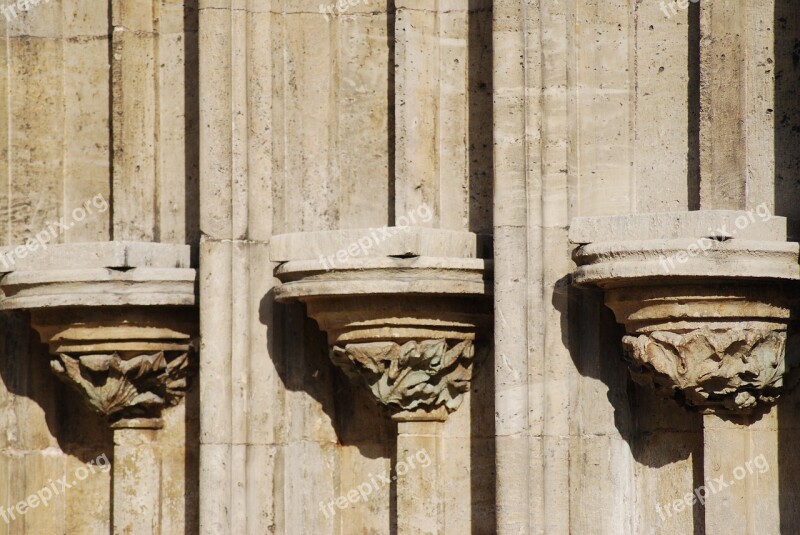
(736, 105)
(734, 171)
(134, 83)
(741, 476)
(420, 506)
(136, 507)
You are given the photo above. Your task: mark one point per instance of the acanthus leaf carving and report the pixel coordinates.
(728, 370)
(124, 388)
(428, 375)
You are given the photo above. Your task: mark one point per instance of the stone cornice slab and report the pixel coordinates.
(386, 275)
(380, 242)
(718, 224)
(621, 263)
(113, 254)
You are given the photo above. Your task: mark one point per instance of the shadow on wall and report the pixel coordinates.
(483, 465)
(658, 431)
(37, 404)
(787, 108)
(191, 98)
(480, 117)
(594, 339)
(787, 194)
(299, 351)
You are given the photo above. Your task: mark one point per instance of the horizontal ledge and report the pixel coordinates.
(756, 224)
(608, 264)
(98, 287)
(384, 276)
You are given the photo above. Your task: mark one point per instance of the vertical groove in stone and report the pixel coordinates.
(5, 135)
(278, 143)
(239, 114)
(239, 382)
(548, 213)
(261, 129)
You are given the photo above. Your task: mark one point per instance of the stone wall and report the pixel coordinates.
(274, 138)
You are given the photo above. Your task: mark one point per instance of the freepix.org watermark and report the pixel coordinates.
(12, 11)
(43, 496)
(339, 7)
(671, 8)
(713, 486)
(375, 236)
(52, 231)
(722, 233)
(361, 493)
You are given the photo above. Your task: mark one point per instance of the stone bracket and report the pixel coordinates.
(120, 320)
(706, 316)
(406, 328)
(120, 388)
(427, 376)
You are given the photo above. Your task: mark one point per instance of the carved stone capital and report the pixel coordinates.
(119, 319)
(429, 376)
(126, 388)
(730, 370)
(128, 363)
(706, 311)
(404, 326)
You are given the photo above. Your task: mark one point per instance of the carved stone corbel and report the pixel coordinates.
(409, 328)
(119, 320)
(730, 370)
(707, 316)
(125, 388)
(429, 376)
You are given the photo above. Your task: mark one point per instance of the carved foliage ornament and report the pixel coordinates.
(123, 388)
(425, 375)
(730, 370)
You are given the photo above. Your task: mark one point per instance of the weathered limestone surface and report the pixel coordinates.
(218, 215)
(74, 180)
